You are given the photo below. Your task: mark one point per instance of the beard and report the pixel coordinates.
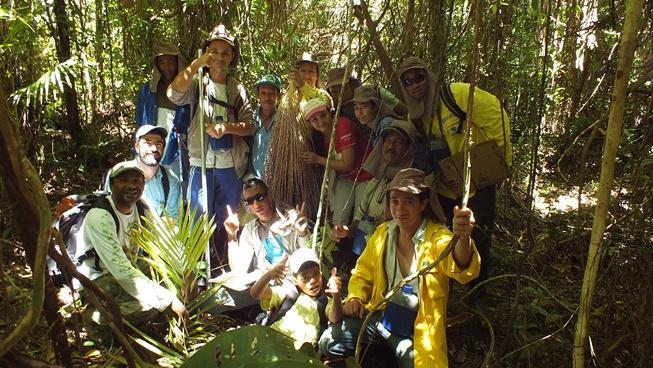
(150, 159)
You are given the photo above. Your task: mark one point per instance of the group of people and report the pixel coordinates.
(394, 207)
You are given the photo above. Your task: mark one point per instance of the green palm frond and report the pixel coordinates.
(51, 84)
(174, 250)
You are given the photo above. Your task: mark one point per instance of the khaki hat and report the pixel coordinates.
(412, 181)
(165, 48)
(408, 180)
(220, 32)
(409, 63)
(366, 94)
(335, 77)
(302, 256)
(311, 107)
(125, 166)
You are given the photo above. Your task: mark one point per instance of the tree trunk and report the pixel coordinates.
(32, 214)
(615, 122)
(72, 124)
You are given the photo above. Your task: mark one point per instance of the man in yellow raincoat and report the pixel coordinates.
(412, 322)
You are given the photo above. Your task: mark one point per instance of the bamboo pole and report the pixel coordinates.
(613, 136)
(205, 198)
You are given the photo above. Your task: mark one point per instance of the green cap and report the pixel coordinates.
(269, 80)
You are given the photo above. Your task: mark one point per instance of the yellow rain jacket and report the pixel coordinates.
(369, 283)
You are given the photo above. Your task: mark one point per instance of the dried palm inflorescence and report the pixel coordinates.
(289, 179)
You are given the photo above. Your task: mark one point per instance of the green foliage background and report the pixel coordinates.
(553, 64)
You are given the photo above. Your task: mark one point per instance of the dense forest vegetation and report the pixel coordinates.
(572, 82)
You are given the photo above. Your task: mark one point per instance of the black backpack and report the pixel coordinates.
(69, 224)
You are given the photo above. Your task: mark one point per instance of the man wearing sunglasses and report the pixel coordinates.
(262, 242)
(438, 112)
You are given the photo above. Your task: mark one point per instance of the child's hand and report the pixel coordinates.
(334, 285)
(278, 271)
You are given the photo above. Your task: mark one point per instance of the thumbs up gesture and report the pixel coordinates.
(334, 285)
(232, 224)
(278, 271)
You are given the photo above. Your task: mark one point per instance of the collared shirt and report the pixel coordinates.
(154, 194)
(262, 137)
(392, 262)
(262, 245)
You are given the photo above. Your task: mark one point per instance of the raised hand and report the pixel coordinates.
(463, 222)
(231, 224)
(301, 223)
(334, 285)
(278, 271)
(340, 232)
(295, 78)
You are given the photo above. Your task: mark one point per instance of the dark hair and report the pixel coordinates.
(428, 212)
(354, 82)
(252, 182)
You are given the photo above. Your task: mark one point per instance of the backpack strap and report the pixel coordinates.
(450, 102)
(102, 203)
(165, 180)
(290, 300)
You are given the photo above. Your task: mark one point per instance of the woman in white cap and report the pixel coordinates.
(305, 75)
(351, 148)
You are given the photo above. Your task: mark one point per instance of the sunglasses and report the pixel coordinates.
(419, 78)
(255, 198)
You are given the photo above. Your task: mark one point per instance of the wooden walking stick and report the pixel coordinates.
(205, 197)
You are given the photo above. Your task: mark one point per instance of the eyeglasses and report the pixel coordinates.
(419, 78)
(255, 198)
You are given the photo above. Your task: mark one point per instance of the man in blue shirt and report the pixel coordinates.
(162, 187)
(153, 107)
(268, 91)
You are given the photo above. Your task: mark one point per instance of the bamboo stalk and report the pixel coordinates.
(612, 138)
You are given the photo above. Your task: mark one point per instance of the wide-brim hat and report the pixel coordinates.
(302, 256)
(335, 77)
(411, 180)
(366, 94)
(220, 32)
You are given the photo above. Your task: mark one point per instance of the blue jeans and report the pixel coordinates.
(223, 188)
(339, 340)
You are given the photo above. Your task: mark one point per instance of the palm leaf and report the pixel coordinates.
(52, 83)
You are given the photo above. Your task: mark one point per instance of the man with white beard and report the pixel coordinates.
(162, 187)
